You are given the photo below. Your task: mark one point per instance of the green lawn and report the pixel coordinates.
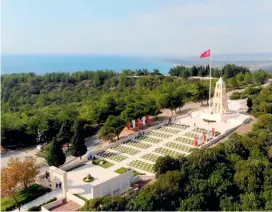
(24, 196)
(121, 170)
(135, 173)
(105, 165)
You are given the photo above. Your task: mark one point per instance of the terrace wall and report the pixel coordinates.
(115, 185)
(46, 208)
(74, 198)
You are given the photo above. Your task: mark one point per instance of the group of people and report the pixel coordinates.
(58, 184)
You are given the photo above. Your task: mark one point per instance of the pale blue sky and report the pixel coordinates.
(136, 27)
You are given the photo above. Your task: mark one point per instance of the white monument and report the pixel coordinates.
(219, 111)
(220, 102)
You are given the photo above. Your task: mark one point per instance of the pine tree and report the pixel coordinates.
(64, 134)
(55, 156)
(78, 145)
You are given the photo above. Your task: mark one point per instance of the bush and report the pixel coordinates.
(38, 208)
(235, 96)
(207, 120)
(88, 179)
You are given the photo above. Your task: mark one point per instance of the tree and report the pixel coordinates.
(78, 145)
(249, 103)
(9, 183)
(26, 169)
(113, 125)
(167, 163)
(55, 155)
(64, 134)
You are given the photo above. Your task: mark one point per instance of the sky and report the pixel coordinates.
(135, 27)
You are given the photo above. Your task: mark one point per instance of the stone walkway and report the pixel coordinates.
(42, 199)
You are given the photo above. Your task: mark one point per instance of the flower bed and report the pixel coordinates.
(149, 139)
(138, 144)
(178, 126)
(103, 163)
(181, 147)
(112, 155)
(159, 134)
(191, 134)
(150, 157)
(165, 151)
(142, 165)
(169, 130)
(185, 140)
(88, 179)
(121, 170)
(126, 150)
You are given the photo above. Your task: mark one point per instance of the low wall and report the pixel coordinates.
(47, 207)
(74, 163)
(75, 199)
(142, 178)
(221, 136)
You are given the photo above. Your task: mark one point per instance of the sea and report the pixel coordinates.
(41, 64)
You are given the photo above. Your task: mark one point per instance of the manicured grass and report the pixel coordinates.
(142, 165)
(150, 157)
(80, 197)
(135, 173)
(121, 170)
(105, 165)
(112, 155)
(86, 180)
(24, 196)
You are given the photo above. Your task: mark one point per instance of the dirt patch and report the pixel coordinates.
(245, 128)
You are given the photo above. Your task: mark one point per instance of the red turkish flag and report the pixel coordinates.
(206, 54)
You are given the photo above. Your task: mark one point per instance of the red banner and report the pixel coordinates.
(213, 132)
(196, 141)
(128, 125)
(138, 123)
(204, 136)
(148, 120)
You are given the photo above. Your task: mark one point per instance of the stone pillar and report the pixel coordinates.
(64, 184)
(52, 179)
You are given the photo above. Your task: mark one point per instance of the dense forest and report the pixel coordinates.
(36, 108)
(235, 175)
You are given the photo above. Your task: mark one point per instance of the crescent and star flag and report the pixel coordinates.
(206, 54)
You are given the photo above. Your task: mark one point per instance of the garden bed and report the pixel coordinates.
(103, 163)
(23, 196)
(88, 179)
(122, 170)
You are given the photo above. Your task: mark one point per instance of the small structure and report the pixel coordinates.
(220, 102)
(56, 173)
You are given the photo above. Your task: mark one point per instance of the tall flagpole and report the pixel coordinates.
(210, 89)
